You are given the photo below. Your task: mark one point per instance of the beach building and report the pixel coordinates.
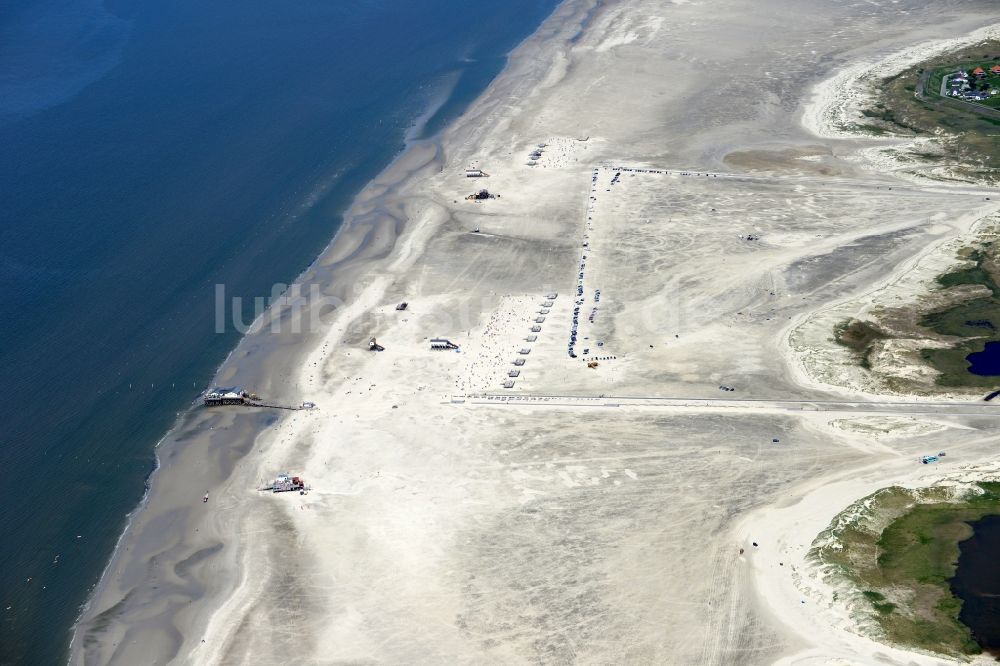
(441, 344)
(233, 395)
(285, 482)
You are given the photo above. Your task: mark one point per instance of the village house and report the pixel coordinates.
(975, 90)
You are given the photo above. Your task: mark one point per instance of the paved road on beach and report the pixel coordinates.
(928, 407)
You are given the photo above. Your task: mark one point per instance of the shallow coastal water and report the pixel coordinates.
(152, 151)
(977, 583)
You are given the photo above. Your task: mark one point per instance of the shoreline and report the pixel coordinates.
(195, 422)
(419, 502)
(344, 258)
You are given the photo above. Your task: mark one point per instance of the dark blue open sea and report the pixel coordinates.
(150, 149)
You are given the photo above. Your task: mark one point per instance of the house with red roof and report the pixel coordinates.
(979, 72)
(995, 70)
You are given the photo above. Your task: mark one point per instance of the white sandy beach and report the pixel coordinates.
(586, 514)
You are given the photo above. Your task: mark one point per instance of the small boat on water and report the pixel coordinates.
(205, 498)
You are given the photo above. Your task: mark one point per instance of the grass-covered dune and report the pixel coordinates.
(963, 323)
(977, 320)
(966, 134)
(897, 550)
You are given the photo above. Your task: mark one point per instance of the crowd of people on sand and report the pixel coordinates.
(490, 354)
(556, 152)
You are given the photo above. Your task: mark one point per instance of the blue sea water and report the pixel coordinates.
(149, 150)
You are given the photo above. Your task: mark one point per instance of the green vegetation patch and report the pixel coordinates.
(859, 336)
(899, 547)
(971, 322)
(887, 115)
(977, 319)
